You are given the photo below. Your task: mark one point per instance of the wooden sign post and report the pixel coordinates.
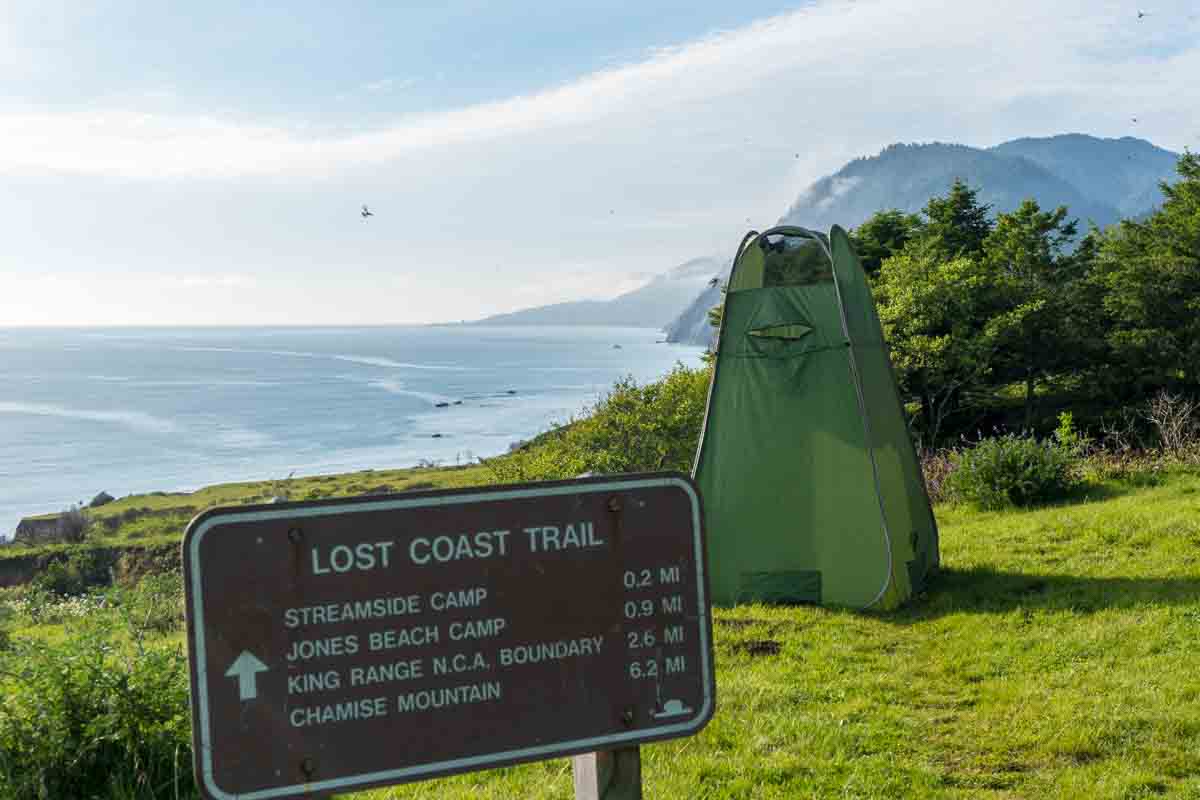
(609, 775)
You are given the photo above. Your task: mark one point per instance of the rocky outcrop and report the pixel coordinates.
(38, 530)
(19, 570)
(692, 326)
(120, 564)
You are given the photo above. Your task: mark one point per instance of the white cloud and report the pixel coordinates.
(226, 281)
(838, 187)
(626, 171)
(836, 66)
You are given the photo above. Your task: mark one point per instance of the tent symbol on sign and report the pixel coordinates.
(672, 708)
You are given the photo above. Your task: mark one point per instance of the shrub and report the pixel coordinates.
(1011, 470)
(1175, 419)
(154, 604)
(5, 613)
(1070, 439)
(42, 607)
(936, 467)
(633, 429)
(76, 575)
(93, 715)
(73, 525)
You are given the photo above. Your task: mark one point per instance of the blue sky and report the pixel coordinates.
(204, 163)
(333, 63)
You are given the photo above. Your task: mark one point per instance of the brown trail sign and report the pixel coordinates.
(343, 644)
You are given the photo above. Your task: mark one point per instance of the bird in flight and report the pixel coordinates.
(1134, 119)
(714, 282)
(1141, 14)
(366, 212)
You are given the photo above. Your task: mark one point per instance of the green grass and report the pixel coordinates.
(160, 517)
(1056, 656)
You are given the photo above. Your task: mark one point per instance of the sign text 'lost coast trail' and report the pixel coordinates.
(344, 644)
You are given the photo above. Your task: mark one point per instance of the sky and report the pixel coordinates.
(204, 164)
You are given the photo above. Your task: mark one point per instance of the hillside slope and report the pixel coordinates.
(692, 325)
(651, 306)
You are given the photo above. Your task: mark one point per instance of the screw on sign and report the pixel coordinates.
(343, 644)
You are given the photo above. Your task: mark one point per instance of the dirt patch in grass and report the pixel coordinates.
(757, 647)
(740, 622)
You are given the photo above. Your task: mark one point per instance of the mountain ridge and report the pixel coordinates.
(905, 176)
(653, 305)
(1099, 180)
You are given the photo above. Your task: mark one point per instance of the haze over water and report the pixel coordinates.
(170, 409)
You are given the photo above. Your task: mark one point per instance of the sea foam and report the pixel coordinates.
(136, 420)
(371, 361)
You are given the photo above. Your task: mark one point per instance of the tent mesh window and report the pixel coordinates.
(791, 260)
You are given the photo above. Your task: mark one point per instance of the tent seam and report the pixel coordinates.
(712, 384)
(866, 422)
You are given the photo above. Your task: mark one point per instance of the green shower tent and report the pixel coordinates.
(811, 485)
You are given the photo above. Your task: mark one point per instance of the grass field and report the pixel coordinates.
(160, 517)
(1055, 656)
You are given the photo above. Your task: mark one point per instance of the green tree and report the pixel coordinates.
(1149, 275)
(1085, 324)
(715, 315)
(1027, 255)
(882, 236)
(932, 311)
(957, 224)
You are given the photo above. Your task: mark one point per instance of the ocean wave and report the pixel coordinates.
(205, 383)
(395, 387)
(371, 361)
(137, 420)
(243, 438)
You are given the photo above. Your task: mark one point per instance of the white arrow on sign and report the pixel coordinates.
(246, 668)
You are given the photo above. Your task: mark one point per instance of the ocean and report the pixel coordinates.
(173, 409)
